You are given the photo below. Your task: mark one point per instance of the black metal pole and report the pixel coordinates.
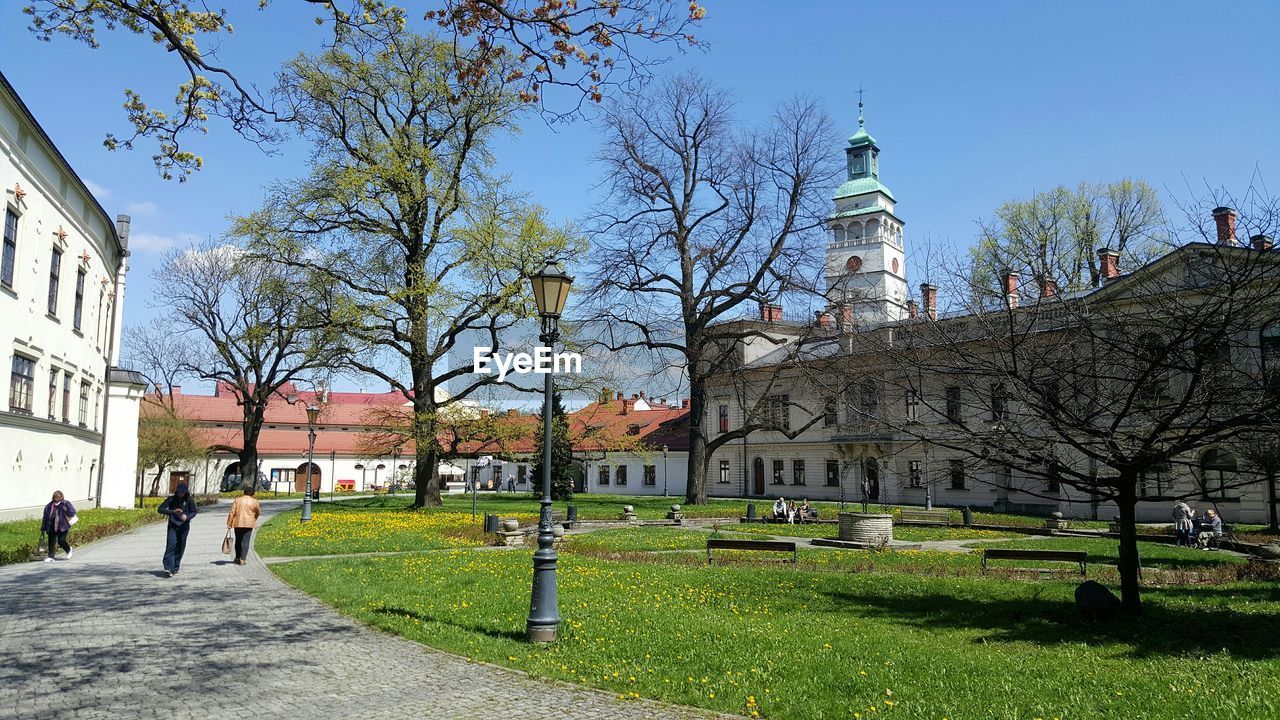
(544, 612)
(306, 501)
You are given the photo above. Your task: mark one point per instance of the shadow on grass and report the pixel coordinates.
(1162, 630)
(445, 620)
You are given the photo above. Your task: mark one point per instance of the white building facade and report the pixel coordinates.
(62, 272)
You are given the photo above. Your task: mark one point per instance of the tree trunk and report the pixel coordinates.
(155, 482)
(426, 476)
(250, 428)
(696, 489)
(1127, 504)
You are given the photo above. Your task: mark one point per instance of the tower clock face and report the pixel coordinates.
(853, 264)
(895, 265)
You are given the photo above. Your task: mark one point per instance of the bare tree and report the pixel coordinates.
(1106, 395)
(250, 326)
(702, 222)
(165, 439)
(583, 48)
(402, 215)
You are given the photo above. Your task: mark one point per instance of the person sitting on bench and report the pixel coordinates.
(804, 512)
(791, 512)
(780, 509)
(1210, 529)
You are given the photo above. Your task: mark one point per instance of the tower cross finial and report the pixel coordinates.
(860, 123)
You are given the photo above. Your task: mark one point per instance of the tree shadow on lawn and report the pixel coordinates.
(446, 620)
(1161, 630)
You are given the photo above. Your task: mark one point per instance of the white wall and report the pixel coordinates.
(670, 477)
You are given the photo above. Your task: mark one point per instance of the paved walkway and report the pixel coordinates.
(104, 636)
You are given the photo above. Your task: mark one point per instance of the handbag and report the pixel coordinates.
(227, 543)
(73, 519)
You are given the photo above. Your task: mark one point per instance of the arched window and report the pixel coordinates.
(873, 228)
(1218, 470)
(855, 230)
(839, 232)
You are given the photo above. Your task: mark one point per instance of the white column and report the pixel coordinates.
(124, 393)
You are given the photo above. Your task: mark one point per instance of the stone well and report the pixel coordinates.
(873, 529)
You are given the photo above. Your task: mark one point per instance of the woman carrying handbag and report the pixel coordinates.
(59, 516)
(242, 519)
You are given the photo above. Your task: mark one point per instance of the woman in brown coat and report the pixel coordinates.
(242, 518)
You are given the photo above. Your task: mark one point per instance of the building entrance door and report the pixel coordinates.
(757, 477)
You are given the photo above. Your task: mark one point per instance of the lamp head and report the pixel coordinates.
(313, 414)
(550, 289)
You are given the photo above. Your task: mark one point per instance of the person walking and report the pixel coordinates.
(180, 507)
(1183, 517)
(57, 520)
(242, 519)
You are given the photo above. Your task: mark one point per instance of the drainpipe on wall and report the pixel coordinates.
(122, 234)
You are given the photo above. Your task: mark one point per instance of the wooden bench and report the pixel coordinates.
(772, 545)
(925, 517)
(1073, 556)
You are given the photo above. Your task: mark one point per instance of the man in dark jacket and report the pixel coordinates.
(180, 507)
(56, 522)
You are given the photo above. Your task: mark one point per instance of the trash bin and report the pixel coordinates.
(490, 523)
(315, 494)
(572, 515)
(751, 511)
(967, 514)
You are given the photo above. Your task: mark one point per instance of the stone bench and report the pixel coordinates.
(769, 545)
(1072, 556)
(925, 517)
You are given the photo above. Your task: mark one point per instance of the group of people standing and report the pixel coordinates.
(180, 508)
(1191, 531)
(785, 510)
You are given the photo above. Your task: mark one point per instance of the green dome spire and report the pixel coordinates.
(861, 137)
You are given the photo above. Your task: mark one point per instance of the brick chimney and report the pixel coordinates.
(1225, 219)
(929, 300)
(770, 313)
(1257, 242)
(846, 318)
(822, 319)
(1048, 286)
(627, 405)
(1009, 284)
(684, 404)
(913, 309)
(1108, 264)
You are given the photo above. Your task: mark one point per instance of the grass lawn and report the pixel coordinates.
(373, 525)
(18, 538)
(909, 533)
(781, 642)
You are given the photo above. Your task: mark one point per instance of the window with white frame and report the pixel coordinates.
(779, 470)
(650, 475)
(620, 477)
(22, 383)
(957, 475)
(833, 473)
(55, 279)
(915, 477)
(603, 475)
(9, 258)
(797, 472)
(724, 472)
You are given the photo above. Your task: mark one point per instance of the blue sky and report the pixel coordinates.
(972, 104)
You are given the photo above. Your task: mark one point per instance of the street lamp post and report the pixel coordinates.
(550, 289)
(664, 471)
(313, 414)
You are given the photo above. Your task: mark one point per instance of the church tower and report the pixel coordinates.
(866, 270)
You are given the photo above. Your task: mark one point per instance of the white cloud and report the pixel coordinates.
(145, 208)
(152, 243)
(98, 191)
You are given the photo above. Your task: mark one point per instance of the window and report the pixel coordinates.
(915, 478)
(1219, 472)
(620, 478)
(833, 473)
(10, 255)
(1055, 476)
(55, 274)
(724, 472)
(1152, 379)
(66, 397)
(84, 404)
(604, 475)
(797, 472)
(870, 396)
(633, 429)
(650, 475)
(53, 394)
(521, 474)
(779, 412)
(1154, 481)
(999, 402)
(913, 406)
(22, 383)
(779, 467)
(1271, 354)
(957, 474)
(724, 418)
(97, 402)
(953, 405)
(79, 311)
(829, 412)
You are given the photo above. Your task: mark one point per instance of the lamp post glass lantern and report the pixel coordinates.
(313, 414)
(664, 471)
(550, 290)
